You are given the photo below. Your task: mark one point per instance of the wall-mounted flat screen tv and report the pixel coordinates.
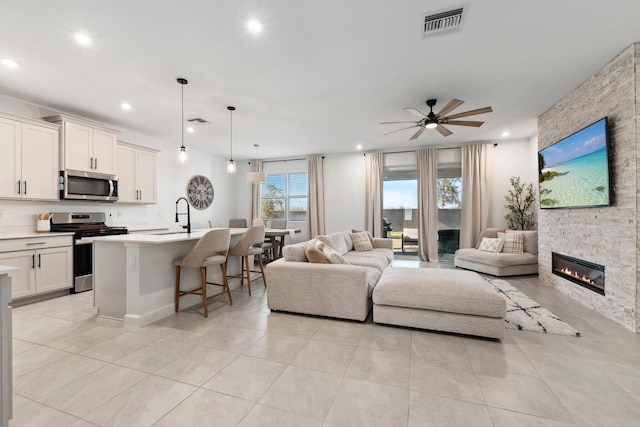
(574, 172)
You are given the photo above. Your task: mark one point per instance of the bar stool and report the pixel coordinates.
(268, 247)
(250, 244)
(211, 249)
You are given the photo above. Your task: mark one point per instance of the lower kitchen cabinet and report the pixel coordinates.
(45, 269)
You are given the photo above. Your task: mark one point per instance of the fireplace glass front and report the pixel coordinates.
(584, 273)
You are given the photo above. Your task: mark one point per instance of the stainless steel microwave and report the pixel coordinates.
(79, 185)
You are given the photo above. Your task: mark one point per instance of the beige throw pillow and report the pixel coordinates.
(373, 243)
(361, 242)
(314, 254)
(513, 243)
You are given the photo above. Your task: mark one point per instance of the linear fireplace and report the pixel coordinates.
(584, 273)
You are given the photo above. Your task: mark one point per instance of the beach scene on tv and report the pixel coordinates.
(574, 172)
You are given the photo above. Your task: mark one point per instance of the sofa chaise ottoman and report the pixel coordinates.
(442, 300)
(501, 263)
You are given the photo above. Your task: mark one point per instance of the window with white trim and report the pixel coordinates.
(284, 196)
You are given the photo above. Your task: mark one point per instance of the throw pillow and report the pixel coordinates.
(361, 242)
(314, 254)
(491, 245)
(334, 256)
(373, 243)
(513, 243)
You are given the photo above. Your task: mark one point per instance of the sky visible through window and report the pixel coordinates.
(401, 194)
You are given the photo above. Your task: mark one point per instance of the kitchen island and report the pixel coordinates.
(134, 278)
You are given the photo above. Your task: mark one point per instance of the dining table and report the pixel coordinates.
(273, 233)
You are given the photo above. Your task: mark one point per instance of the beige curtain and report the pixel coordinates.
(428, 205)
(256, 166)
(373, 193)
(477, 180)
(316, 195)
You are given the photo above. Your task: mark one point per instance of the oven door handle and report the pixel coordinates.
(83, 242)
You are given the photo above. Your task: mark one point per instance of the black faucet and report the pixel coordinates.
(188, 226)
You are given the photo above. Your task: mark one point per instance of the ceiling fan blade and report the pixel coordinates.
(392, 123)
(443, 130)
(471, 113)
(417, 134)
(465, 123)
(415, 112)
(398, 130)
(452, 105)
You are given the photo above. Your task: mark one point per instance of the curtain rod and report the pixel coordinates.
(284, 160)
(495, 144)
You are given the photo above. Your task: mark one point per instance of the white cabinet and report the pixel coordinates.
(136, 170)
(29, 161)
(6, 363)
(86, 146)
(46, 264)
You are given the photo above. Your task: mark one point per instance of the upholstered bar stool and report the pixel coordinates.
(268, 248)
(250, 245)
(211, 249)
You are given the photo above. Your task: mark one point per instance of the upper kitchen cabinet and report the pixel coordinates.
(29, 161)
(86, 146)
(136, 170)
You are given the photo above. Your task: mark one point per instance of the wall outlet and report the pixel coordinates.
(132, 260)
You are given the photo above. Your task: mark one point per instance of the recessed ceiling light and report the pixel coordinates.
(82, 39)
(504, 134)
(359, 146)
(9, 63)
(190, 129)
(254, 26)
(125, 106)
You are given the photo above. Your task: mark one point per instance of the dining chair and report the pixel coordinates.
(238, 223)
(211, 249)
(250, 244)
(278, 242)
(279, 224)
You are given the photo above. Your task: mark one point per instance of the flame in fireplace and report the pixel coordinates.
(576, 275)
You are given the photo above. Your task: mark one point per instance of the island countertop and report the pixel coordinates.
(163, 236)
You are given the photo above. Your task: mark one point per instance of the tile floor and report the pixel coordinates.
(245, 366)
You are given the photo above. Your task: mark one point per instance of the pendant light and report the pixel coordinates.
(182, 155)
(256, 177)
(231, 164)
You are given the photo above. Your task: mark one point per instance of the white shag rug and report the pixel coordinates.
(527, 315)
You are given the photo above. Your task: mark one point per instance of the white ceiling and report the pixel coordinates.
(320, 76)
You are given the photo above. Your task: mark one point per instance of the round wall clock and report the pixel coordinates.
(200, 192)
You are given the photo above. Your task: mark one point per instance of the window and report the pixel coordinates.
(284, 196)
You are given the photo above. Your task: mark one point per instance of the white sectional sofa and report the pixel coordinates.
(332, 290)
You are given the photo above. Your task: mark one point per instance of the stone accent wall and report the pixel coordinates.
(606, 235)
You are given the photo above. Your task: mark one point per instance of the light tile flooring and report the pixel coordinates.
(246, 366)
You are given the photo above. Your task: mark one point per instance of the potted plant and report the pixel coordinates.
(520, 203)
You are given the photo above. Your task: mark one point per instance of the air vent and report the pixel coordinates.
(448, 21)
(198, 121)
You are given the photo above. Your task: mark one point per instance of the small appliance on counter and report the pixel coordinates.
(83, 225)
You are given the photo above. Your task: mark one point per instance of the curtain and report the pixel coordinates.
(477, 177)
(316, 195)
(428, 205)
(373, 193)
(256, 166)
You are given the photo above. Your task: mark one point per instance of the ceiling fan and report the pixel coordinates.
(437, 120)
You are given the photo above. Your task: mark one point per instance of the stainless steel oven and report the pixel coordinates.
(79, 185)
(84, 226)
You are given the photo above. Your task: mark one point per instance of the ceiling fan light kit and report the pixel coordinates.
(437, 120)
